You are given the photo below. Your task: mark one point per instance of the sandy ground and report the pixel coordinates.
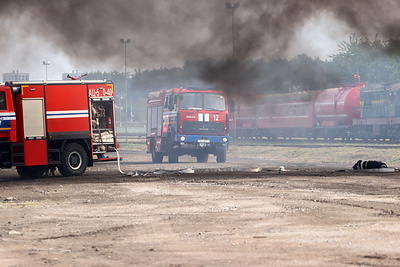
(221, 215)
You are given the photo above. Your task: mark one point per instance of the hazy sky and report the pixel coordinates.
(85, 35)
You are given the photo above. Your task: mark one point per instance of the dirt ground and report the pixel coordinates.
(229, 214)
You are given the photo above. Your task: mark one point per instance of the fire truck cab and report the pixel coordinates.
(56, 124)
(187, 121)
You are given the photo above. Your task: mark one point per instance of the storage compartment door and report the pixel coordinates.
(33, 110)
(35, 143)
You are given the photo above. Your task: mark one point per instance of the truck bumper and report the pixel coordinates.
(202, 141)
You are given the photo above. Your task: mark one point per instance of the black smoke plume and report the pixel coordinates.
(168, 33)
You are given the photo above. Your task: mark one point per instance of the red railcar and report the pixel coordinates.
(277, 115)
(325, 113)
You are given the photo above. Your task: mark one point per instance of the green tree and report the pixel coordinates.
(377, 61)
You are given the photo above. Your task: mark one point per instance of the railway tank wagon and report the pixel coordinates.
(335, 110)
(380, 112)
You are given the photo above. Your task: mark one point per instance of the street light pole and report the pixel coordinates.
(46, 63)
(125, 42)
(231, 6)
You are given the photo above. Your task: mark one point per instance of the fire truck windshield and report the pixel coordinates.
(199, 101)
(214, 102)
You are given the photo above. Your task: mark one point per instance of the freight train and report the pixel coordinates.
(359, 111)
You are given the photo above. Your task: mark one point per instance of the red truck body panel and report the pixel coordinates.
(35, 152)
(67, 109)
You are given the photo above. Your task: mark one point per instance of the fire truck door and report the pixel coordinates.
(7, 117)
(35, 143)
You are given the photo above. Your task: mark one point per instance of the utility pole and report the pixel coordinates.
(46, 63)
(231, 6)
(125, 42)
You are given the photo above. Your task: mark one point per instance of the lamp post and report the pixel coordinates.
(125, 42)
(46, 63)
(231, 6)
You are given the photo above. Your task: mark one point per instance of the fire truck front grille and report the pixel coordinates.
(199, 127)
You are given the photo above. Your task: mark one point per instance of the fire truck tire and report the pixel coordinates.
(156, 157)
(202, 157)
(221, 155)
(32, 171)
(173, 156)
(74, 160)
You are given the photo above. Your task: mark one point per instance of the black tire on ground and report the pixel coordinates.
(74, 160)
(29, 172)
(221, 155)
(156, 157)
(202, 157)
(173, 156)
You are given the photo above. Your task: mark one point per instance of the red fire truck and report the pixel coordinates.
(187, 121)
(49, 124)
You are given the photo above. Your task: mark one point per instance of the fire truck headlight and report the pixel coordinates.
(183, 138)
(224, 139)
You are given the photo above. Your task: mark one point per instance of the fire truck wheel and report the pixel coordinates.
(74, 160)
(156, 157)
(32, 171)
(221, 155)
(202, 157)
(173, 156)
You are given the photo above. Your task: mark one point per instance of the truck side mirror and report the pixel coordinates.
(171, 103)
(166, 102)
